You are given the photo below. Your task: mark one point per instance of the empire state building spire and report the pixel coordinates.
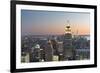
(68, 28)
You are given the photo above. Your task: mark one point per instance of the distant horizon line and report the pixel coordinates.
(56, 34)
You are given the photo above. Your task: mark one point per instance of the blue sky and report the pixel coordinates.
(53, 22)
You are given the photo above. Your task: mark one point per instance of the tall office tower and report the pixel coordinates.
(48, 51)
(60, 50)
(35, 54)
(67, 44)
(25, 51)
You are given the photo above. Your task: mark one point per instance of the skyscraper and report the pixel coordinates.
(67, 44)
(48, 51)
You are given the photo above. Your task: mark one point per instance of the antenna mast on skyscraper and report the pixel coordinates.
(68, 28)
(68, 23)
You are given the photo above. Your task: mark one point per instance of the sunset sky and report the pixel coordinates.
(53, 22)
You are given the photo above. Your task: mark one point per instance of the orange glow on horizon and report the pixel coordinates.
(75, 30)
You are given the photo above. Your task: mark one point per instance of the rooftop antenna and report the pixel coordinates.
(68, 22)
(68, 28)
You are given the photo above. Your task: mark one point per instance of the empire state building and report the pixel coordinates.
(67, 44)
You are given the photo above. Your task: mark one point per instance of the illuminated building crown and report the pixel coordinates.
(68, 28)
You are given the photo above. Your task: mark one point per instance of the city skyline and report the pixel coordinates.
(54, 22)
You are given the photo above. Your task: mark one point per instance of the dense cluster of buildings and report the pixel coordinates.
(44, 48)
